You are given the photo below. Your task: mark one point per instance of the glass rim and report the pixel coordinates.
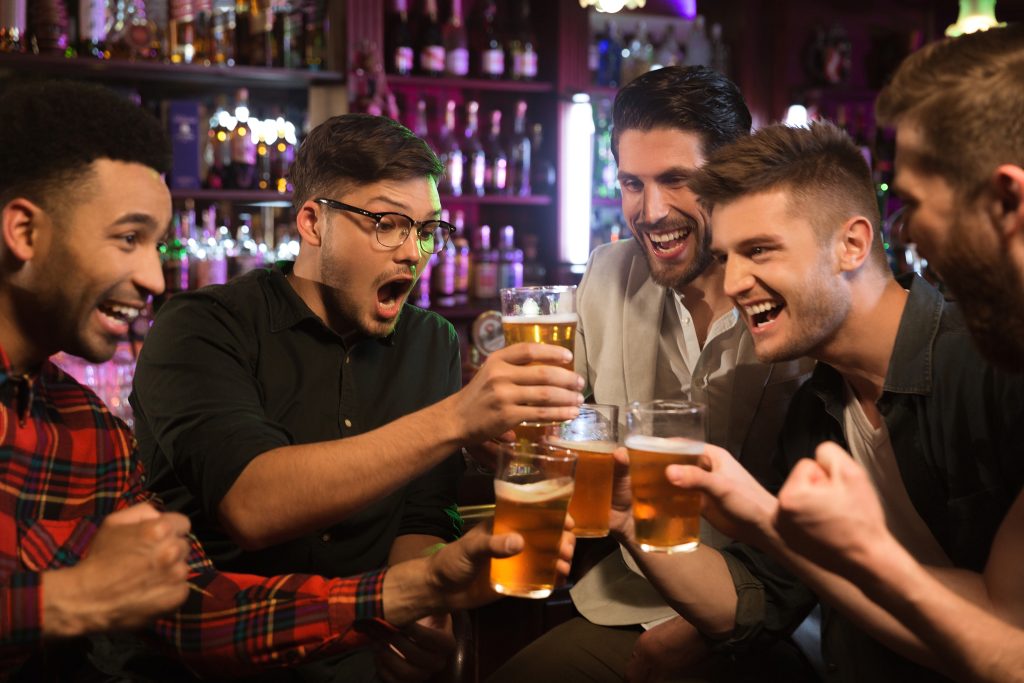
(538, 288)
(551, 452)
(667, 406)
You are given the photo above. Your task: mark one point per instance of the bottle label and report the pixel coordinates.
(494, 62)
(524, 64)
(486, 284)
(458, 61)
(432, 59)
(403, 60)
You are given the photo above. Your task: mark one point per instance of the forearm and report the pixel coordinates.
(237, 623)
(697, 585)
(274, 500)
(411, 547)
(963, 636)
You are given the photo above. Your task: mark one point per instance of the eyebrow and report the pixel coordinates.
(143, 219)
(436, 213)
(758, 240)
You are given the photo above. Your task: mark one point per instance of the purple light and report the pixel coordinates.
(685, 8)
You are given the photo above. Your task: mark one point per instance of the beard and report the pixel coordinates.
(678, 275)
(987, 287)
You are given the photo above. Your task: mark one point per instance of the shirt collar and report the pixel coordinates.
(910, 366)
(287, 309)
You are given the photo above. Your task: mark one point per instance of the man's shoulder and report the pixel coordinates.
(244, 298)
(417, 321)
(620, 255)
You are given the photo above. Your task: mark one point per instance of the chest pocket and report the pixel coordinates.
(53, 543)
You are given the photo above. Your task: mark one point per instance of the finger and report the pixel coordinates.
(621, 456)
(567, 547)
(694, 478)
(437, 640)
(831, 457)
(409, 657)
(524, 353)
(141, 512)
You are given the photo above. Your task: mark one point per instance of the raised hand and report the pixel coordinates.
(133, 571)
(829, 510)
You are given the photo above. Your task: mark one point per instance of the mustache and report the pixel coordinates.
(681, 223)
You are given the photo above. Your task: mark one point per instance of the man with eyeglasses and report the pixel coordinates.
(308, 419)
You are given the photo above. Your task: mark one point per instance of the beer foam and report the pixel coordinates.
(536, 492)
(660, 444)
(554, 319)
(592, 446)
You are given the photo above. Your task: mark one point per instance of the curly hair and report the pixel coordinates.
(53, 131)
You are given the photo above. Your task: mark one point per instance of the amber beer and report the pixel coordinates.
(592, 497)
(559, 329)
(666, 518)
(537, 512)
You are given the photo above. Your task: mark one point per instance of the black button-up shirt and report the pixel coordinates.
(230, 372)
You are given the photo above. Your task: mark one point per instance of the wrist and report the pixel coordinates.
(63, 614)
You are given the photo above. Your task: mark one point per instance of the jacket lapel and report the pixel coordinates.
(643, 308)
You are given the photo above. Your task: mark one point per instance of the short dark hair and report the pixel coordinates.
(52, 131)
(966, 95)
(689, 98)
(359, 149)
(821, 168)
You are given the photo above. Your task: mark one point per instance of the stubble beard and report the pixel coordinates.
(670, 276)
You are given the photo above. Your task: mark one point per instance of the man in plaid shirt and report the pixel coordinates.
(84, 549)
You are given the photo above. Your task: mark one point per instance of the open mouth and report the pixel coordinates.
(763, 313)
(119, 313)
(665, 243)
(391, 294)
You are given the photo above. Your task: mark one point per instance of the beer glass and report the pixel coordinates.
(659, 434)
(545, 315)
(532, 487)
(593, 435)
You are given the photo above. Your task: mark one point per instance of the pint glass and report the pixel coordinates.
(659, 434)
(593, 435)
(543, 315)
(532, 487)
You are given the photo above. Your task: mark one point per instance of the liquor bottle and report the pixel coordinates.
(609, 50)
(496, 171)
(401, 36)
(181, 30)
(485, 266)
(13, 24)
(463, 260)
(605, 170)
(450, 154)
(698, 47)
(542, 176)
(473, 154)
(217, 154)
(222, 33)
(510, 260)
(522, 46)
(48, 27)
(313, 34)
(282, 155)
(243, 145)
(174, 254)
(432, 56)
(203, 32)
(534, 272)
(92, 28)
(288, 22)
(492, 52)
(668, 53)
(637, 55)
(520, 162)
(261, 34)
(420, 127)
(243, 34)
(455, 43)
(719, 50)
(443, 274)
(265, 135)
(207, 263)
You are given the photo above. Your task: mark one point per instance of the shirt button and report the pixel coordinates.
(325, 538)
(686, 320)
(348, 422)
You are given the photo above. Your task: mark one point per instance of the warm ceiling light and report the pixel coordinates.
(975, 15)
(612, 5)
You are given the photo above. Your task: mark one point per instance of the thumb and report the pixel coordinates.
(505, 545)
(143, 512)
(691, 477)
(831, 457)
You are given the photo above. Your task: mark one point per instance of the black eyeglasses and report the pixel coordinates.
(393, 229)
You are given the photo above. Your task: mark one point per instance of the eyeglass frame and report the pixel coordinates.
(377, 217)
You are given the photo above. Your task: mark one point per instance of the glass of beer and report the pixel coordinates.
(544, 315)
(593, 435)
(659, 434)
(532, 487)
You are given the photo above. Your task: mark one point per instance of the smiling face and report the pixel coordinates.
(368, 283)
(785, 282)
(664, 216)
(962, 246)
(94, 266)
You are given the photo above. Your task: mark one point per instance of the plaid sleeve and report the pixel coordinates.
(232, 623)
(21, 619)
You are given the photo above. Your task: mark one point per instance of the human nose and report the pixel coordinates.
(655, 206)
(409, 251)
(149, 274)
(738, 278)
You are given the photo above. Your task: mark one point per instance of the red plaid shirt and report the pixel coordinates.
(65, 464)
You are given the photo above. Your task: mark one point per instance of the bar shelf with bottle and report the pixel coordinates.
(248, 197)
(470, 84)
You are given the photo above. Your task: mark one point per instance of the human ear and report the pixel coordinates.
(19, 224)
(309, 224)
(857, 236)
(1008, 185)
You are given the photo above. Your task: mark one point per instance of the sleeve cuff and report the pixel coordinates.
(750, 609)
(358, 603)
(21, 609)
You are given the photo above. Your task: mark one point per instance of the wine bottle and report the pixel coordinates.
(455, 43)
(431, 44)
